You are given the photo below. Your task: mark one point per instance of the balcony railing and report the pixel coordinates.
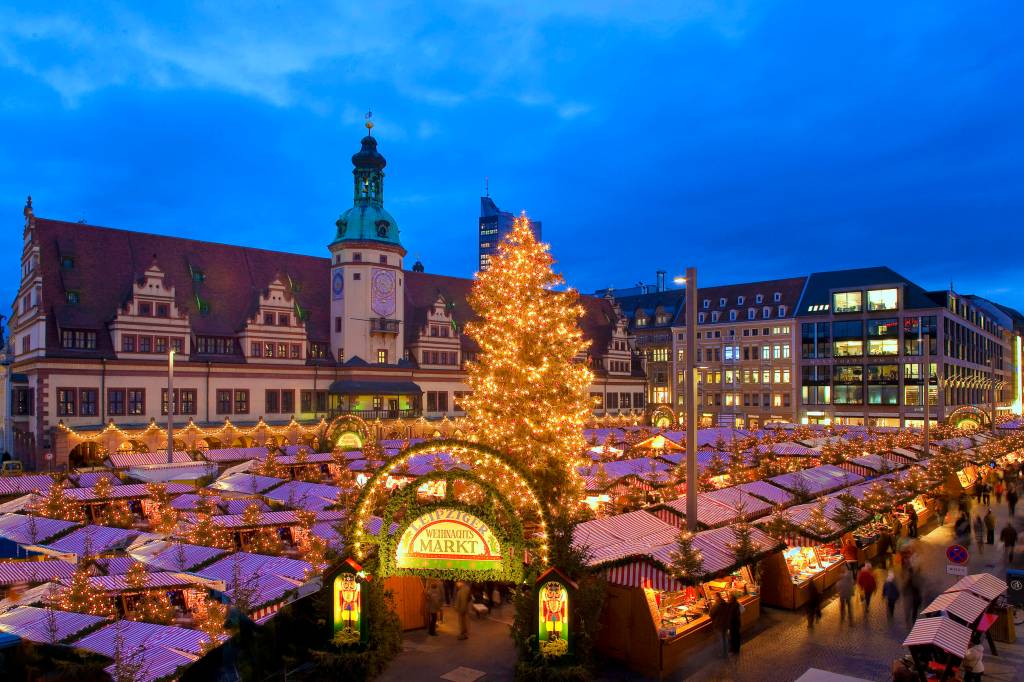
(381, 413)
(382, 325)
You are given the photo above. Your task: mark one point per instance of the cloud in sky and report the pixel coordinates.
(752, 139)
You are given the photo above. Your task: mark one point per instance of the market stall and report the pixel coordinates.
(653, 620)
(811, 555)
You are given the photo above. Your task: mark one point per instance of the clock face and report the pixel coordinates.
(382, 292)
(338, 284)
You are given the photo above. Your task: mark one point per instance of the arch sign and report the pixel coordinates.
(349, 440)
(449, 539)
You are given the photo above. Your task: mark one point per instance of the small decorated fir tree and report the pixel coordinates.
(687, 560)
(848, 514)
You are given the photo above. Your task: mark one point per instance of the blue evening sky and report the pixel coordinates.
(753, 140)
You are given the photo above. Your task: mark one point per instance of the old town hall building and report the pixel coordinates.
(257, 336)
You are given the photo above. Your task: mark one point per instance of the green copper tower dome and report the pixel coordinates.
(367, 220)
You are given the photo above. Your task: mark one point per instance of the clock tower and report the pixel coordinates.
(367, 280)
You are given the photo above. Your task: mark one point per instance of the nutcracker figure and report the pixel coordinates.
(555, 609)
(348, 601)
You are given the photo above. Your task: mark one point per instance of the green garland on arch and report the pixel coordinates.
(510, 534)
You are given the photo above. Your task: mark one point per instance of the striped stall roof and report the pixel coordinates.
(710, 512)
(817, 480)
(421, 465)
(612, 530)
(155, 664)
(329, 533)
(302, 495)
(222, 455)
(963, 605)
(238, 505)
(273, 518)
(25, 529)
(908, 454)
(34, 572)
(163, 555)
(641, 573)
(311, 458)
(245, 483)
(146, 635)
(942, 632)
(375, 523)
(858, 491)
(116, 584)
(767, 492)
(30, 622)
(20, 485)
(123, 460)
(985, 585)
(735, 496)
(294, 449)
(117, 565)
(249, 563)
(96, 538)
(126, 491)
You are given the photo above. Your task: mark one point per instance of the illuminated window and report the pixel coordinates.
(382, 357)
(848, 349)
(881, 299)
(847, 302)
(883, 346)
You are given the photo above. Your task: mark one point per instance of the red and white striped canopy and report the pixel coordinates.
(942, 632)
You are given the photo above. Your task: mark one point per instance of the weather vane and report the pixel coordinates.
(369, 121)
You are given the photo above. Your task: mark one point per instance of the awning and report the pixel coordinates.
(371, 387)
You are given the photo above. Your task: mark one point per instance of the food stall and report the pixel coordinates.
(652, 620)
(812, 554)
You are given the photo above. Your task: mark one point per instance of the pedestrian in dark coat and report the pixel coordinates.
(1011, 500)
(990, 527)
(735, 623)
(720, 618)
(1008, 536)
(891, 593)
(813, 605)
(912, 523)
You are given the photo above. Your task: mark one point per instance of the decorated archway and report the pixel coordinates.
(347, 432)
(487, 521)
(663, 417)
(968, 417)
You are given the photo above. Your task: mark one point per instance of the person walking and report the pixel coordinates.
(813, 605)
(844, 588)
(962, 529)
(1008, 536)
(850, 554)
(1011, 500)
(720, 622)
(972, 664)
(979, 532)
(435, 600)
(912, 602)
(735, 623)
(891, 593)
(912, 523)
(867, 584)
(1000, 490)
(986, 493)
(990, 527)
(463, 602)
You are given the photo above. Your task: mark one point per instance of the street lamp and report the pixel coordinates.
(170, 406)
(690, 282)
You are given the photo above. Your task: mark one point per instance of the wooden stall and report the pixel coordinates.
(410, 603)
(786, 576)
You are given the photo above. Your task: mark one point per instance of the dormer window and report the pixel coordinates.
(714, 316)
(662, 318)
(145, 309)
(721, 303)
(759, 299)
(777, 297)
(641, 321)
(268, 318)
(284, 320)
(197, 274)
(751, 313)
(67, 262)
(740, 300)
(782, 311)
(700, 318)
(707, 303)
(732, 315)
(766, 312)
(72, 297)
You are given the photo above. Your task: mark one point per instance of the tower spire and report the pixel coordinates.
(369, 122)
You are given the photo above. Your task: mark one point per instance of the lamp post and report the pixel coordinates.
(690, 281)
(170, 406)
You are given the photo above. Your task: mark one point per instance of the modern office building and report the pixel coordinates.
(260, 338)
(494, 225)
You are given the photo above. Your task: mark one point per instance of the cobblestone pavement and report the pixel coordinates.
(779, 649)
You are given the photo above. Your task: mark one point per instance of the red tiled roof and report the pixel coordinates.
(233, 278)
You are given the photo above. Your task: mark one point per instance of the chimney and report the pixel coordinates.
(661, 280)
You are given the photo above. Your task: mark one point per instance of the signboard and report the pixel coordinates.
(447, 539)
(349, 440)
(554, 625)
(956, 569)
(347, 597)
(957, 554)
(1015, 586)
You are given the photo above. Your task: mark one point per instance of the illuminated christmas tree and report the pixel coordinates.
(877, 498)
(152, 606)
(265, 539)
(743, 547)
(780, 524)
(208, 616)
(56, 505)
(207, 533)
(118, 514)
(81, 596)
(687, 560)
(818, 523)
(103, 489)
(530, 392)
(270, 466)
(848, 514)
